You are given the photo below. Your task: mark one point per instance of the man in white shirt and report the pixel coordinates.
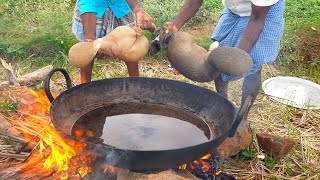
(255, 26)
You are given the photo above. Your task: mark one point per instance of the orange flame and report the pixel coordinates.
(204, 166)
(206, 157)
(64, 177)
(84, 171)
(183, 166)
(60, 153)
(110, 169)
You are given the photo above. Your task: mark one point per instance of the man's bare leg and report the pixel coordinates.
(251, 86)
(86, 72)
(243, 137)
(89, 28)
(133, 69)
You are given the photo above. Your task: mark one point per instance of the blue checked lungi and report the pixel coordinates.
(231, 27)
(104, 25)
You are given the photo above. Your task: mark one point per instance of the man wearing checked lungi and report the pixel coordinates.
(255, 26)
(93, 19)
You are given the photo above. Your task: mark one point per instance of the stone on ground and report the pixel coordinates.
(241, 140)
(275, 144)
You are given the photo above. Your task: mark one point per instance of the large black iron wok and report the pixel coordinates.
(217, 116)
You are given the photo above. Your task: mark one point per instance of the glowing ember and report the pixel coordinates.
(110, 169)
(63, 156)
(84, 171)
(206, 157)
(64, 177)
(184, 166)
(204, 168)
(198, 164)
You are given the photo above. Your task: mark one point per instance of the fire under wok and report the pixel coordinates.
(94, 102)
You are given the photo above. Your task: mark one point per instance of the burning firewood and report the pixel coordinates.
(8, 132)
(55, 155)
(17, 156)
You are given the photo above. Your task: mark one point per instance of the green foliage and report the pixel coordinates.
(209, 11)
(165, 10)
(205, 43)
(7, 105)
(162, 11)
(38, 32)
(246, 154)
(299, 55)
(270, 161)
(37, 28)
(301, 13)
(5, 6)
(249, 153)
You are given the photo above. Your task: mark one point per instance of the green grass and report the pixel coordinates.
(246, 154)
(301, 38)
(164, 11)
(36, 32)
(39, 31)
(301, 13)
(7, 105)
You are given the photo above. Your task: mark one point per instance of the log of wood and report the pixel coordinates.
(7, 129)
(13, 140)
(31, 78)
(21, 170)
(10, 134)
(12, 80)
(16, 156)
(31, 170)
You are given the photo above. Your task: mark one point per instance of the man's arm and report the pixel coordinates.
(254, 28)
(89, 26)
(144, 20)
(88, 15)
(135, 5)
(188, 10)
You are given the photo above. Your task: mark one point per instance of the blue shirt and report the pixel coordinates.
(118, 7)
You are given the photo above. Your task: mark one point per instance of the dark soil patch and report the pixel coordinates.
(308, 45)
(200, 31)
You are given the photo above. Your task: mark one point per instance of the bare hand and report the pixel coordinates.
(99, 55)
(144, 21)
(166, 32)
(169, 27)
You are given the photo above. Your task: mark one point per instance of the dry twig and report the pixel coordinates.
(12, 80)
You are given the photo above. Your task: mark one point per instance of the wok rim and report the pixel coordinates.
(210, 145)
(80, 86)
